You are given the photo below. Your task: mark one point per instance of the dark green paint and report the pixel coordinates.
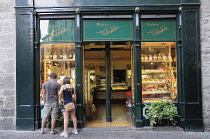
(24, 70)
(107, 30)
(192, 93)
(80, 113)
(158, 29)
(108, 82)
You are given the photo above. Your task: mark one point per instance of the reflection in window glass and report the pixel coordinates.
(159, 76)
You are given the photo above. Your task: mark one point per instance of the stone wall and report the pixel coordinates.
(7, 64)
(205, 60)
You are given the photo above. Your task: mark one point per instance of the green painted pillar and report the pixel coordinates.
(137, 73)
(108, 82)
(80, 113)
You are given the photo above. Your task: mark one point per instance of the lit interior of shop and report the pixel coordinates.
(158, 65)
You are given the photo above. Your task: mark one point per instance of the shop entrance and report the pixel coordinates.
(107, 83)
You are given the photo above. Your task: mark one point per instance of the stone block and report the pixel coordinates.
(10, 102)
(7, 123)
(6, 6)
(1, 102)
(11, 53)
(1, 82)
(1, 93)
(3, 54)
(7, 112)
(8, 92)
(9, 81)
(9, 66)
(9, 26)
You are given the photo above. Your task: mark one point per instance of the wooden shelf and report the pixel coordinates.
(153, 82)
(63, 60)
(154, 92)
(150, 61)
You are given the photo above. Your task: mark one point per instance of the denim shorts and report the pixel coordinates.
(63, 109)
(52, 109)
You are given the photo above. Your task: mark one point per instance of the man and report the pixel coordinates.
(50, 90)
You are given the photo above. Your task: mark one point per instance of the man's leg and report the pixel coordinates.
(55, 113)
(43, 124)
(53, 121)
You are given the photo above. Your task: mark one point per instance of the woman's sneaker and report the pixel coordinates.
(64, 134)
(74, 132)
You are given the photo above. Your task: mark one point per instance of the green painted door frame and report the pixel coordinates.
(108, 82)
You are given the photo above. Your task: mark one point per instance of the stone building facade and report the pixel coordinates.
(8, 63)
(7, 66)
(205, 60)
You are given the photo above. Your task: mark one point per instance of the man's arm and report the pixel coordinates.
(44, 95)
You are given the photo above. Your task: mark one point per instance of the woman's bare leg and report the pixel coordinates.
(73, 117)
(66, 120)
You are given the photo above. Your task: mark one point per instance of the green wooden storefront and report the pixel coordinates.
(85, 15)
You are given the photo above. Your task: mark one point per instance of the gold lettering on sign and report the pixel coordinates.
(158, 31)
(101, 24)
(152, 24)
(108, 30)
(58, 32)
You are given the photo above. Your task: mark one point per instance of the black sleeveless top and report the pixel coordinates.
(67, 95)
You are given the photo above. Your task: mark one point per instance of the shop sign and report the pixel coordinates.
(158, 30)
(61, 31)
(107, 30)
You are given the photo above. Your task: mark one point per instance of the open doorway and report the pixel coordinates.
(119, 83)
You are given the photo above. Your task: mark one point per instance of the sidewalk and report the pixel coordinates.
(110, 133)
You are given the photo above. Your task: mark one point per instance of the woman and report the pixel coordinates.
(66, 95)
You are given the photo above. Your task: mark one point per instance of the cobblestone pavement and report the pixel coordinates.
(110, 133)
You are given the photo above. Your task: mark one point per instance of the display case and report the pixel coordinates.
(158, 74)
(118, 91)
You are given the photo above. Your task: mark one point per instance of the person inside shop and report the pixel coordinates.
(50, 90)
(66, 95)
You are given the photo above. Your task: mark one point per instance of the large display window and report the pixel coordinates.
(159, 74)
(57, 52)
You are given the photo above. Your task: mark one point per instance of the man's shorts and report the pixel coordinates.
(52, 109)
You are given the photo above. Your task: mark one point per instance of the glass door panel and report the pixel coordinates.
(94, 81)
(121, 94)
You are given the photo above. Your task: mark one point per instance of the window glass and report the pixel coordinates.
(57, 52)
(159, 74)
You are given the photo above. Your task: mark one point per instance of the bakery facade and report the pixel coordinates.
(120, 56)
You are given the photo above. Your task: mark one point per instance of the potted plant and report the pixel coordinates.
(158, 111)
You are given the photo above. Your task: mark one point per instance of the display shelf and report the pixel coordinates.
(154, 82)
(158, 92)
(154, 61)
(153, 71)
(158, 76)
(61, 60)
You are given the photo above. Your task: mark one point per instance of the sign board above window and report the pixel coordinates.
(107, 30)
(158, 29)
(53, 31)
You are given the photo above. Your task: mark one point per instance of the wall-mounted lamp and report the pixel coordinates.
(137, 17)
(180, 17)
(78, 18)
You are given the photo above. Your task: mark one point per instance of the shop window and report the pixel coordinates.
(159, 74)
(57, 52)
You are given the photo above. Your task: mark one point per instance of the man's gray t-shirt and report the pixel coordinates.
(51, 91)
